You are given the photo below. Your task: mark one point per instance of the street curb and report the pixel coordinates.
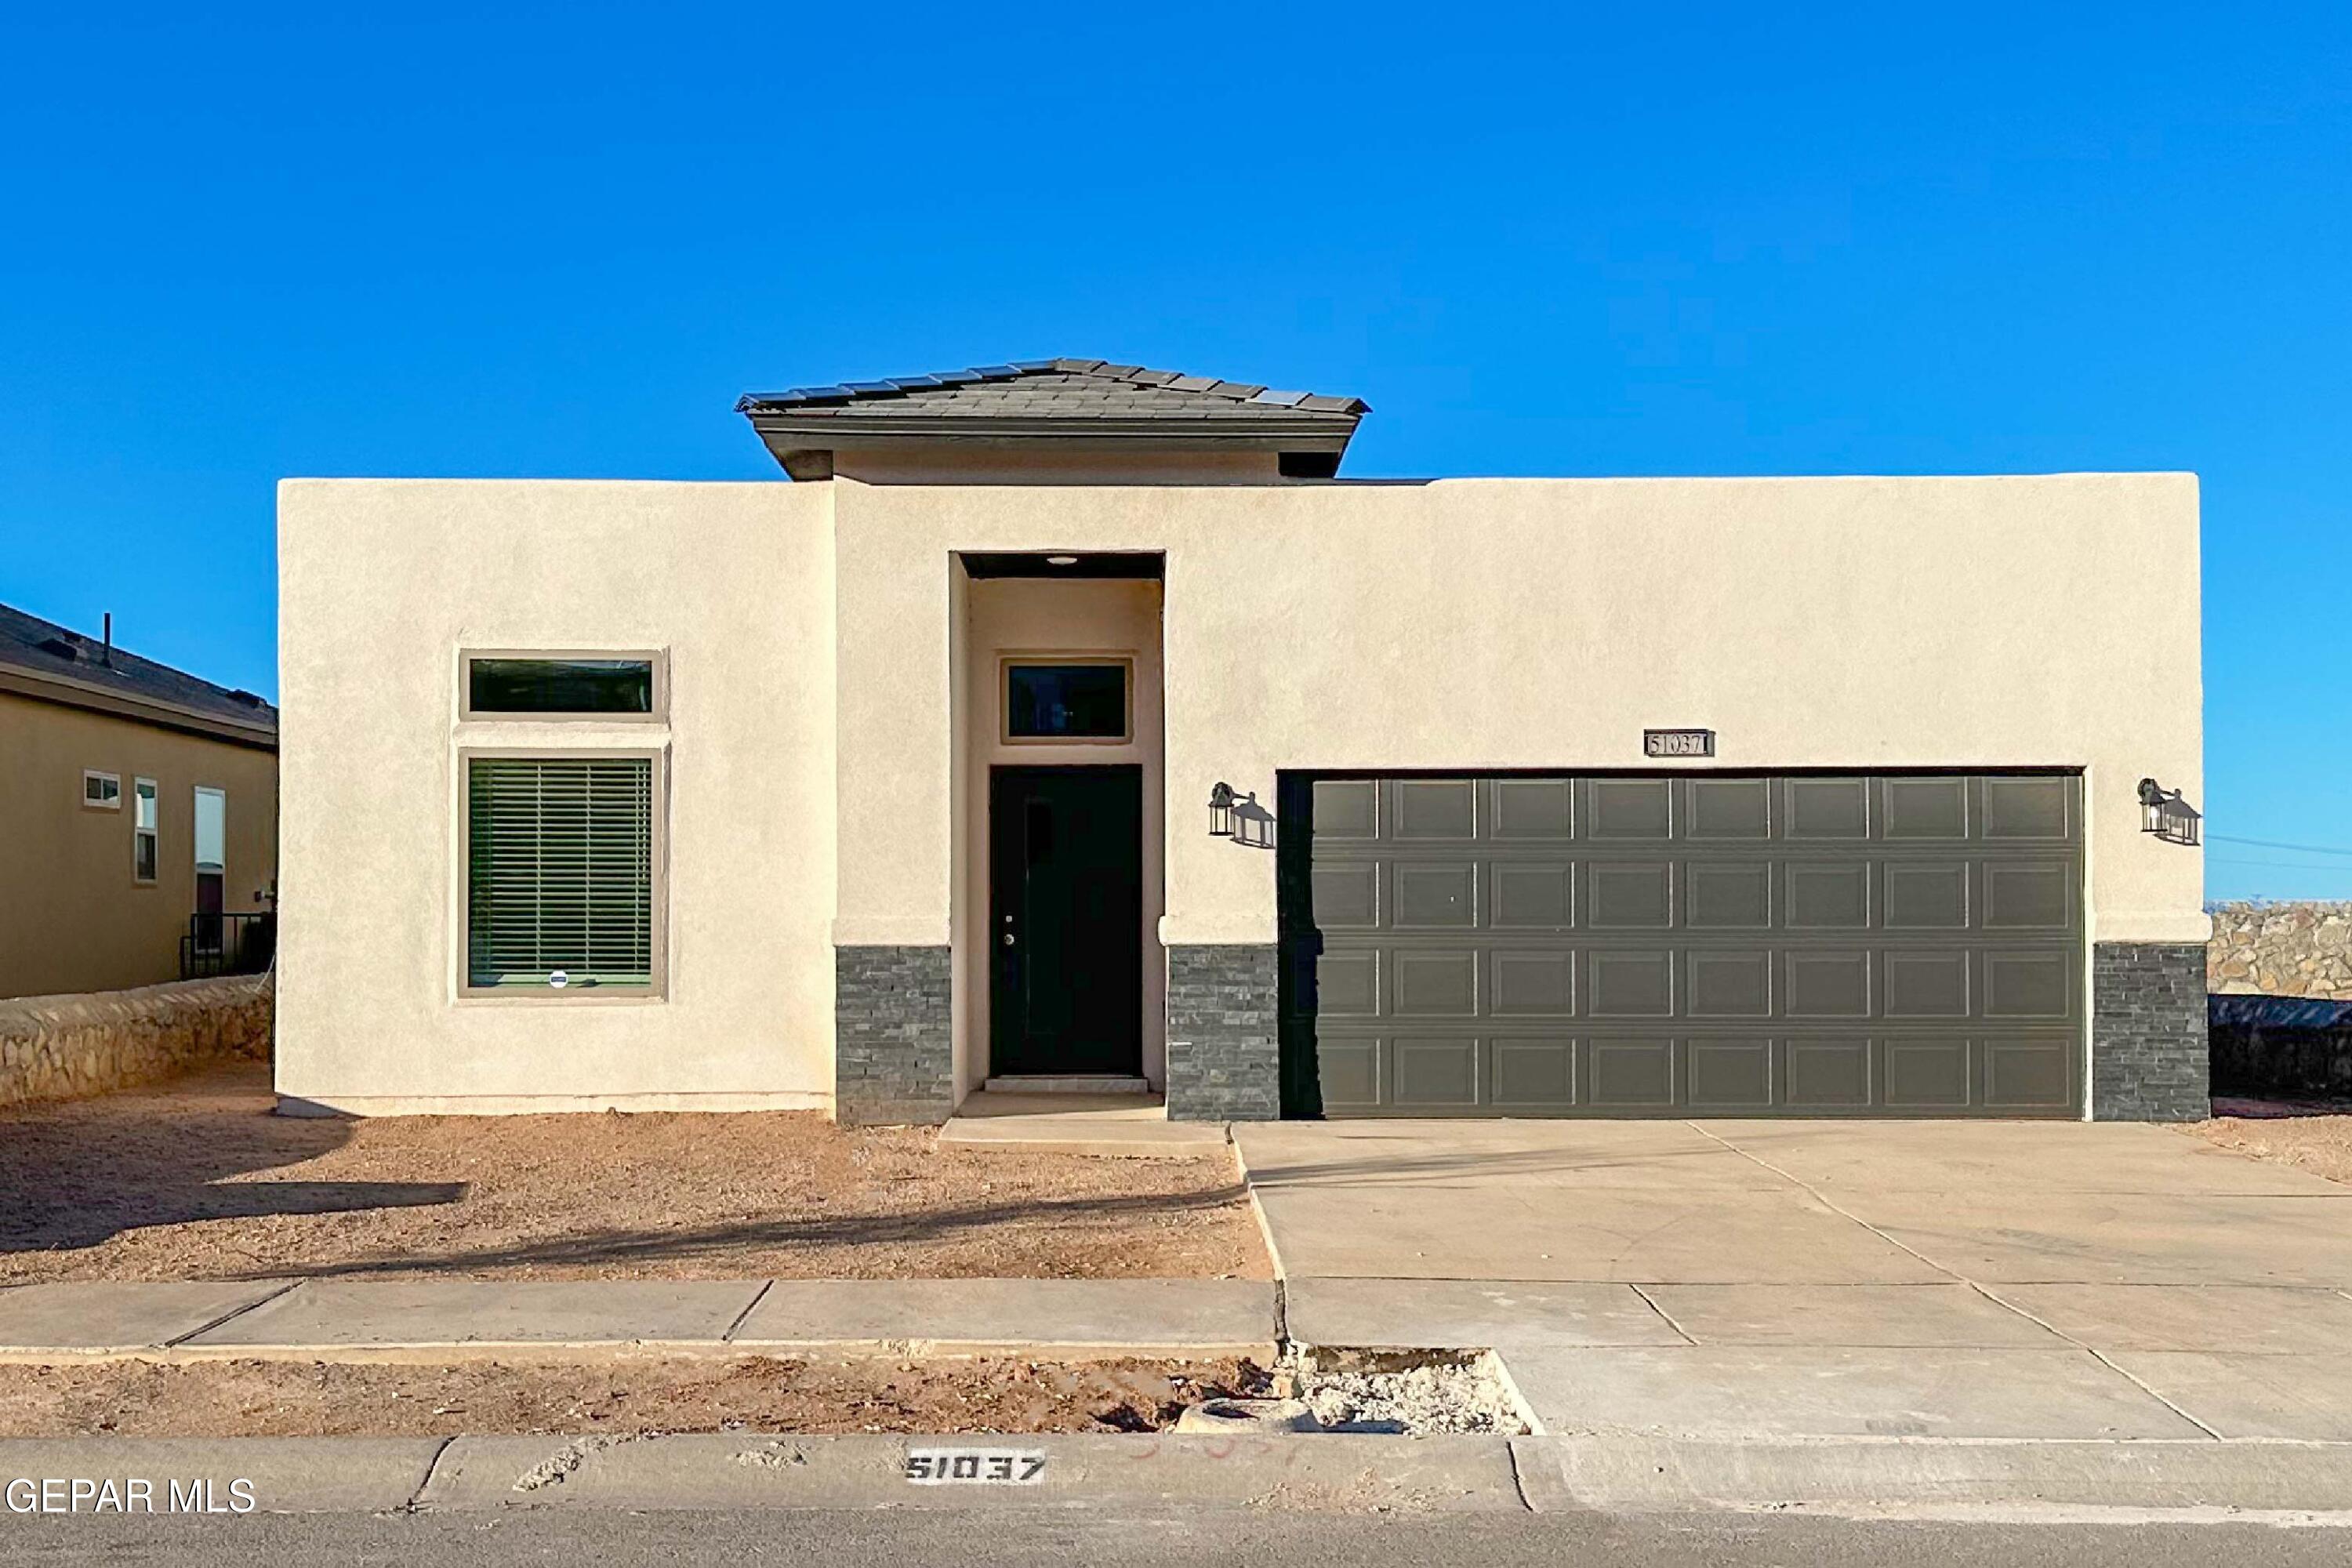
(1935, 1478)
(747, 1470)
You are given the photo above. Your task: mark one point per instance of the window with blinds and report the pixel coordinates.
(560, 872)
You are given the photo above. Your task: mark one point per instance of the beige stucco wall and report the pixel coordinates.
(381, 583)
(74, 918)
(823, 649)
(1021, 615)
(1863, 622)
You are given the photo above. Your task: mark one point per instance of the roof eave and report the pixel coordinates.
(47, 685)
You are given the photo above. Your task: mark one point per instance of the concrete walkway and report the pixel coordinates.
(332, 1319)
(1730, 1281)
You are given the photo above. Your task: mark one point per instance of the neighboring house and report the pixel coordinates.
(138, 816)
(859, 792)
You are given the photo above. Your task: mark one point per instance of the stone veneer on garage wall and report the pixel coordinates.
(893, 1035)
(1224, 1060)
(2282, 950)
(2149, 1059)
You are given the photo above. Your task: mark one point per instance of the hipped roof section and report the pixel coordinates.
(1056, 399)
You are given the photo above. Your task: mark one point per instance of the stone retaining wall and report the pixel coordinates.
(58, 1047)
(2281, 950)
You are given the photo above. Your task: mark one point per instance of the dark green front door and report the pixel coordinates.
(1065, 920)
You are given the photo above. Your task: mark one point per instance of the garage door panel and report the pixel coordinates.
(1435, 809)
(1924, 809)
(1629, 810)
(1828, 809)
(1348, 984)
(1827, 895)
(1926, 1074)
(1904, 944)
(1729, 1075)
(1928, 895)
(1532, 810)
(1434, 985)
(1532, 896)
(1827, 985)
(1731, 809)
(1629, 984)
(2026, 809)
(1728, 984)
(1635, 895)
(1732, 896)
(1533, 984)
(1533, 1075)
(1927, 984)
(2027, 1073)
(1439, 1071)
(1631, 1073)
(1827, 1074)
(2028, 896)
(1434, 896)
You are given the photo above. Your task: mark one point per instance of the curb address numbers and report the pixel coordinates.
(976, 1467)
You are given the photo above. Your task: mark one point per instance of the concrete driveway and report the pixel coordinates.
(1802, 1280)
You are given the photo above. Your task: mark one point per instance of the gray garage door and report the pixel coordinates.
(1702, 944)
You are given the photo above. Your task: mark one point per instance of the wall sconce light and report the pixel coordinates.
(1239, 817)
(1221, 811)
(2164, 813)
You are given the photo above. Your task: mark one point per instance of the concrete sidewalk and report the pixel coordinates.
(332, 1319)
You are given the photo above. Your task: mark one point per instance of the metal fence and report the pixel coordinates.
(227, 945)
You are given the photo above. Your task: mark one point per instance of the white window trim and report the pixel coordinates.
(114, 779)
(658, 657)
(154, 793)
(460, 923)
(1005, 663)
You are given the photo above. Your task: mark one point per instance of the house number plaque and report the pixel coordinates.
(1678, 743)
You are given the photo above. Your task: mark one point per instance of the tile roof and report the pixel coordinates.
(1056, 390)
(42, 648)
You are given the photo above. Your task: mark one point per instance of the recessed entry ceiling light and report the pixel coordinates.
(1061, 561)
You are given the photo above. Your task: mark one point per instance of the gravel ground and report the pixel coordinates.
(197, 1180)
(267, 1399)
(2318, 1141)
(1468, 1397)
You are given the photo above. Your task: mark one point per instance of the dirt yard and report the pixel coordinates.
(2316, 1141)
(198, 1180)
(267, 1399)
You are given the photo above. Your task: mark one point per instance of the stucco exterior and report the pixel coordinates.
(75, 917)
(825, 746)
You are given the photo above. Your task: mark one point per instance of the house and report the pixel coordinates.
(138, 816)
(1072, 723)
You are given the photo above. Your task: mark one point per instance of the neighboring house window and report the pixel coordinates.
(212, 867)
(560, 873)
(598, 686)
(1069, 701)
(103, 790)
(142, 830)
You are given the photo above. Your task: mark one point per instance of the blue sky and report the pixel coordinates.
(1564, 240)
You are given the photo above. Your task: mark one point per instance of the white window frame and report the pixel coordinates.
(153, 791)
(657, 989)
(1006, 662)
(115, 779)
(659, 658)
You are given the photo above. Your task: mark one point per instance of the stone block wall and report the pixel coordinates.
(2150, 1062)
(1224, 1055)
(2281, 950)
(59, 1048)
(894, 1034)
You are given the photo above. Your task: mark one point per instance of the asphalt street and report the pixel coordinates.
(836, 1540)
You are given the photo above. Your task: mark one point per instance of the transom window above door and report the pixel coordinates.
(1068, 700)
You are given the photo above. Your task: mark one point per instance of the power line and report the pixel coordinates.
(2274, 844)
(2281, 865)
